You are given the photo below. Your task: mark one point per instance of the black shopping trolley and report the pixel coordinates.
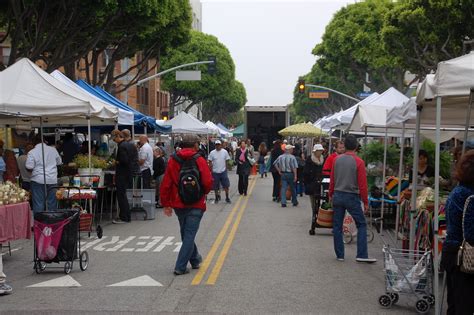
(57, 240)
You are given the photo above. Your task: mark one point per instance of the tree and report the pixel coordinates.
(156, 27)
(421, 33)
(60, 33)
(220, 107)
(351, 47)
(57, 32)
(199, 48)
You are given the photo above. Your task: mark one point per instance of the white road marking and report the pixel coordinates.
(12, 250)
(101, 247)
(120, 244)
(90, 244)
(156, 240)
(65, 281)
(143, 281)
(178, 247)
(166, 242)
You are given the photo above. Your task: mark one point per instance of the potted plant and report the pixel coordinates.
(325, 215)
(97, 166)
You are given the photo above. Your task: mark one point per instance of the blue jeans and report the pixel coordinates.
(37, 192)
(341, 202)
(189, 219)
(288, 179)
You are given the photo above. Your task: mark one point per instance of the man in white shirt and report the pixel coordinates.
(145, 160)
(42, 174)
(218, 161)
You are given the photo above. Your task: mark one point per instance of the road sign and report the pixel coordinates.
(188, 75)
(319, 94)
(363, 95)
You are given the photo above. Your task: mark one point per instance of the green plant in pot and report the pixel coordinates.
(326, 206)
(82, 161)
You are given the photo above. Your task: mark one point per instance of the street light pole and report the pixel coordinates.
(159, 74)
(334, 91)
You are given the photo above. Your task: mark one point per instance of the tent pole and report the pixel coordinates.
(133, 133)
(90, 143)
(383, 178)
(145, 130)
(436, 206)
(399, 189)
(330, 140)
(415, 178)
(468, 119)
(44, 168)
(365, 145)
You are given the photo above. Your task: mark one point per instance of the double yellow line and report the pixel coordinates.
(239, 208)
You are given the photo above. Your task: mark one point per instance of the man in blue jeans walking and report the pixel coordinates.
(287, 166)
(348, 191)
(189, 214)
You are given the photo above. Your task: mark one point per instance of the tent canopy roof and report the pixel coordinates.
(124, 117)
(374, 112)
(27, 90)
(185, 123)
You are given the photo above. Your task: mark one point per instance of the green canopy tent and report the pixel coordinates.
(239, 131)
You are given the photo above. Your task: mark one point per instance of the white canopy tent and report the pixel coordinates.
(373, 113)
(185, 123)
(218, 130)
(447, 96)
(27, 91)
(124, 117)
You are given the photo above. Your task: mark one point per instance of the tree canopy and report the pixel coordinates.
(218, 91)
(60, 33)
(422, 33)
(230, 101)
(384, 39)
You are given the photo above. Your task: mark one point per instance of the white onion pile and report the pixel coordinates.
(11, 194)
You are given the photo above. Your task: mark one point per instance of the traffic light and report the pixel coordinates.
(301, 86)
(212, 67)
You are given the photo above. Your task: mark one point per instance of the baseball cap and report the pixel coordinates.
(285, 141)
(318, 147)
(289, 147)
(218, 142)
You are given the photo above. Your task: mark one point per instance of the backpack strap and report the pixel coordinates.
(196, 156)
(177, 159)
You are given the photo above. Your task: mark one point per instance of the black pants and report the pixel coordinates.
(460, 285)
(122, 183)
(146, 177)
(243, 183)
(276, 184)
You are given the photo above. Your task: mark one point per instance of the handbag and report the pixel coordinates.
(466, 251)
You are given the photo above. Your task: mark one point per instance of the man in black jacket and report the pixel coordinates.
(126, 166)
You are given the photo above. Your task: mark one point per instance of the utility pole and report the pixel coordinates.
(334, 91)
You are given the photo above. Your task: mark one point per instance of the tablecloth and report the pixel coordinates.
(15, 222)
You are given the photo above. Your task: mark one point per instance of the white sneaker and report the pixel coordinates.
(5, 289)
(366, 260)
(118, 221)
(340, 259)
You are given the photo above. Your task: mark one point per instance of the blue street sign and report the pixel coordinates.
(363, 95)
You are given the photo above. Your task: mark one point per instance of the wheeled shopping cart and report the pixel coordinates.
(57, 240)
(409, 273)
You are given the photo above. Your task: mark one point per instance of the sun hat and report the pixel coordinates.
(318, 147)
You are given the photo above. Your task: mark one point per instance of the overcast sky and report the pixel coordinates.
(270, 41)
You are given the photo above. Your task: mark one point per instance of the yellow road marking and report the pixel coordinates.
(210, 256)
(220, 260)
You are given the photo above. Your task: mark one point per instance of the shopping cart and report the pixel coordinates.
(407, 272)
(141, 200)
(349, 228)
(57, 239)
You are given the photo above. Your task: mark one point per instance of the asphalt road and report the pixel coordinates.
(259, 258)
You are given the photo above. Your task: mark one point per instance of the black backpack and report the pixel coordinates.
(189, 182)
